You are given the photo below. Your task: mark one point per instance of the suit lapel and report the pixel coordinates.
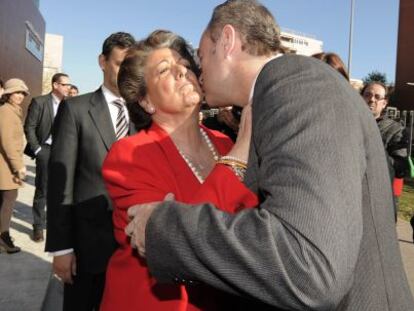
(101, 118)
(49, 105)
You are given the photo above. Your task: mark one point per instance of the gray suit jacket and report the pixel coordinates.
(323, 236)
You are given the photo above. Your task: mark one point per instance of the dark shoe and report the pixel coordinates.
(38, 235)
(6, 242)
(412, 226)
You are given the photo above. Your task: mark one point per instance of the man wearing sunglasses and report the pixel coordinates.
(38, 126)
(393, 135)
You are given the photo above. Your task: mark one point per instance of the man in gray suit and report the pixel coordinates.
(322, 237)
(38, 130)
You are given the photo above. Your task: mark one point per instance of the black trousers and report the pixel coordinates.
(39, 200)
(85, 294)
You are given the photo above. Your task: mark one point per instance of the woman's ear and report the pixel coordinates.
(146, 105)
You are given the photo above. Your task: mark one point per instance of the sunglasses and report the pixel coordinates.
(64, 84)
(376, 96)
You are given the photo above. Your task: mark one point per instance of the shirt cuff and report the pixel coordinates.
(61, 253)
(37, 150)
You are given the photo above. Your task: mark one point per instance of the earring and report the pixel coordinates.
(150, 109)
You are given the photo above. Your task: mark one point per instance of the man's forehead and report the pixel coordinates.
(377, 88)
(64, 79)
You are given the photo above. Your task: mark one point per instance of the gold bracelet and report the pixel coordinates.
(233, 163)
(231, 158)
(238, 170)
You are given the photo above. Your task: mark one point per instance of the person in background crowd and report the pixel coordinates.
(73, 91)
(38, 129)
(412, 225)
(394, 136)
(79, 212)
(322, 236)
(1, 93)
(226, 120)
(171, 153)
(334, 61)
(12, 168)
(1, 88)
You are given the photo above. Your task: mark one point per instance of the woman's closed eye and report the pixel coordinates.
(164, 70)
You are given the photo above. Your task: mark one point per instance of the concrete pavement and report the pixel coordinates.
(25, 276)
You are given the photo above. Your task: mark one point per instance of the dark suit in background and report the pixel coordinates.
(323, 237)
(79, 209)
(38, 127)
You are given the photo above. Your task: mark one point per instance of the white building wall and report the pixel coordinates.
(300, 43)
(52, 62)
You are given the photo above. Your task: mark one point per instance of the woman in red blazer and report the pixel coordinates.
(171, 154)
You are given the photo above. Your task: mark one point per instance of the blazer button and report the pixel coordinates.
(176, 280)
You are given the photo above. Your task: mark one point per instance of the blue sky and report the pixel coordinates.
(85, 24)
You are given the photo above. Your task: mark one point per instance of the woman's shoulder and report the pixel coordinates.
(7, 115)
(4, 108)
(138, 149)
(131, 143)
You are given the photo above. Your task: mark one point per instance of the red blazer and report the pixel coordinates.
(144, 168)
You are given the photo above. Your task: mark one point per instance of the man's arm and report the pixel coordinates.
(397, 151)
(32, 122)
(298, 249)
(62, 168)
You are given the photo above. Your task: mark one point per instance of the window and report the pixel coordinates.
(34, 44)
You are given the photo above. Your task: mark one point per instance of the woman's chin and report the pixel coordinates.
(193, 99)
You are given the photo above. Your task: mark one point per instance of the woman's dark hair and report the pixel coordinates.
(4, 99)
(334, 61)
(131, 78)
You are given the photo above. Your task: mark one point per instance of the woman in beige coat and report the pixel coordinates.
(12, 169)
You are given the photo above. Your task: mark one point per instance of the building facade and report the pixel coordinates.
(300, 43)
(22, 32)
(52, 62)
(404, 88)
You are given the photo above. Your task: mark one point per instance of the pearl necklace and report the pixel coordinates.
(191, 165)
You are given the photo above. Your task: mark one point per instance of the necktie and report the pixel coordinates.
(121, 128)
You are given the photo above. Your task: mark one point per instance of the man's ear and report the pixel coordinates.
(228, 40)
(102, 61)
